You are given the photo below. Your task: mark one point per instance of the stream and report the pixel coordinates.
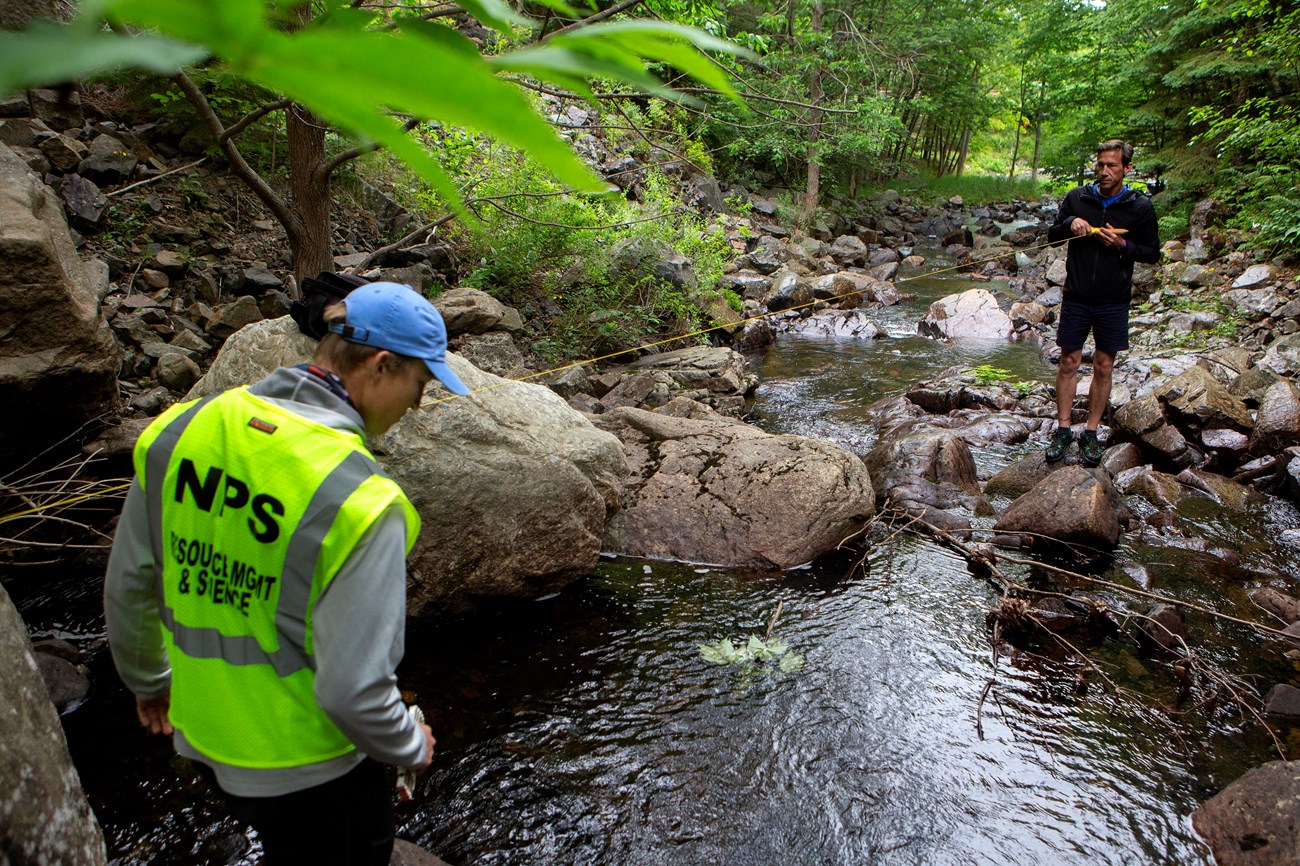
(587, 728)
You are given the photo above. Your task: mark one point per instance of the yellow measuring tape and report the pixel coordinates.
(109, 490)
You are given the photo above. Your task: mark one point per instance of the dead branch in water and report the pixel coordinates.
(1189, 667)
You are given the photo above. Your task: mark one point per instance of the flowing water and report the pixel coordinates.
(588, 728)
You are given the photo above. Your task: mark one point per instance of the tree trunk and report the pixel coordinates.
(965, 149)
(1020, 113)
(814, 117)
(310, 186)
(1038, 129)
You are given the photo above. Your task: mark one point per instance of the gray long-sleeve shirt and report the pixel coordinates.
(358, 623)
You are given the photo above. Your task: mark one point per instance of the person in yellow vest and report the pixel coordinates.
(256, 593)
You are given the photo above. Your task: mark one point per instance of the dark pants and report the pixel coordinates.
(349, 821)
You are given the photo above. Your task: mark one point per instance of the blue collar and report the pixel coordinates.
(1107, 202)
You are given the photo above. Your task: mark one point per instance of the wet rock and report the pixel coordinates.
(60, 360)
(67, 683)
(1283, 703)
(993, 429)
(1020, 477)
(470, 311)
(756, 334)
(971, 314)
(884, 273)
(847, 323)
(1164, 628)
(1227, 443)
(1224, 491)
(1073, 505)
(1194, 400)
(47, 819)
(1281, 605)
(1159, 488)
(1118, 458)
(729, 494)
(912, 454)
(1033, 313)
(1255, 821)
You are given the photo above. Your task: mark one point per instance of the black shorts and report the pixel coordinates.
(1108, 323)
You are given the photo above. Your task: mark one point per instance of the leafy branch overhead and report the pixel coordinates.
(356, 69)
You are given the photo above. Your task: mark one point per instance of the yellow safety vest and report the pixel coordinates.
(253, 509)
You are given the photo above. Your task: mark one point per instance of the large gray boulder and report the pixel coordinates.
(45, 819)
(1073, 505)
(513, 486)
(971, 314)
(1255, 821)
(58, 357)
(470, 311)
(1283, 356)
(1194, 400)
(710, 491)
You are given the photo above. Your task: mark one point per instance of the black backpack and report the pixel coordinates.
(318, 293)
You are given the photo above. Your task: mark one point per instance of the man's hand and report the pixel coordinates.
(153, 714)
(429, 743)
(1109, 238)
(1080, 227)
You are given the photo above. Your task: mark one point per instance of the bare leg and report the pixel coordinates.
(1103, 363)
(1067, 373)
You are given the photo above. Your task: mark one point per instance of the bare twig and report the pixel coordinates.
(156, 177)
(624, 6)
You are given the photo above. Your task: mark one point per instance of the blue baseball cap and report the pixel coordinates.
(395, 317)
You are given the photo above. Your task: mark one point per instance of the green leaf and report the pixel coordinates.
(48, 53)
(350, 75)
(791, 662)
(721, 653)
(445, 37)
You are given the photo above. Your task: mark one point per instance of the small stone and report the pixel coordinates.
(177, 372)
(152, 279)
(170, 262)
(258, 279)
(1283, 702)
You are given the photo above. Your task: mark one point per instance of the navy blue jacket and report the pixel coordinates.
(1093, 273)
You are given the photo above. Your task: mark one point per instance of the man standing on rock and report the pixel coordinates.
(256, 593)
(1109, 227)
